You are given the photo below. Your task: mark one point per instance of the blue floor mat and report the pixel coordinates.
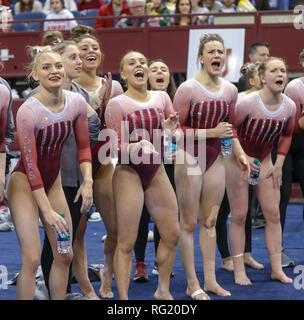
(262, 288)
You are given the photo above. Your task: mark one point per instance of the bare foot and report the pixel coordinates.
(250, 262)
(227, 264)
(281, 276)
(242, 279)
(92, 296)
(215, 288)
(165, 295)
(199, 294)
(105, 290)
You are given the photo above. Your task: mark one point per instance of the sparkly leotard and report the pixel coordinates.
(41, 135)
(257, 127)
(201, 109)
(126, 116)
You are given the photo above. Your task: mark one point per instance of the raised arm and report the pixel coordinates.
(109, 89)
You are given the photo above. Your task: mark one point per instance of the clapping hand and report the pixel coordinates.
(106, 89)
(170, 124)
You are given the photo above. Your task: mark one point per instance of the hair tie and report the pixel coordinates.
(37, 50)
(54, 42)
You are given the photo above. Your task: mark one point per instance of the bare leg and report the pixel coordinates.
(237, 191)
(128, 198)
(103, 199)
(269, 199)
(212, 196)
(188, 190)
(79, 263)
(161, 203)
(59, 272)
(25, 216)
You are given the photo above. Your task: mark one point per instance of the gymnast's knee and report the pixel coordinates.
(273, 216)
(31, 262)
(238, 219)
(125, 246)
(64, 259)
(171, 237)
(188, 225)
(209, 223)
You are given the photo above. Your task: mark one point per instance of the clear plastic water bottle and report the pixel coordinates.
(226, 146)
(63, 243)
(170, 149)
(254, 177)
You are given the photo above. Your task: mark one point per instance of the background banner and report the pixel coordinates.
(234, 40)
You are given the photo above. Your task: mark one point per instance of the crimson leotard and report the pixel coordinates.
(201, 109)
(295, 91)
(257, 127)
(123, 110)
(41, 135)
(4, 102)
